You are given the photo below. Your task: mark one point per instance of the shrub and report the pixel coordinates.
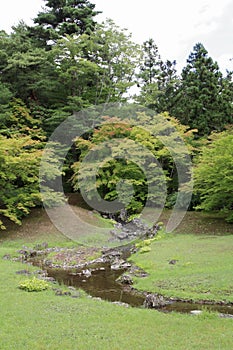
(33, 285)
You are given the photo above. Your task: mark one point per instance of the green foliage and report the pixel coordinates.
(120, 163)
(66, 63)
(157, 79)
(113, 50)
(145, 250)
(62, 17)
(95, 68)
(18, 176)
(28, 70)
(204, 97)
(214, 174)
(150, 65)
(33, 285)
(21, 147)
(5, 98)
(145, 244)
(148, 75)
(5, 95)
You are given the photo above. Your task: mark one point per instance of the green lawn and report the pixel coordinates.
(45, 321)
(203, 269)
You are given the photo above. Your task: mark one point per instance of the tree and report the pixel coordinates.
(28, 71)
(118, 163)
(76, 73)
(113, 50)
(151, 60)
(19, 163)
(214, 174)
(5, 98)
(19, 121)
(21, 147)
(62, 17)
(168, 83)
(80, 69)
(96, 68)
(157, 79)
(203, 100)
(147, 79)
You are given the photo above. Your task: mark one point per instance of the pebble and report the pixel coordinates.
(196, 312)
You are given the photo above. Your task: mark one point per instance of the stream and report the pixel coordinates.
(99, 280)
(101, 283)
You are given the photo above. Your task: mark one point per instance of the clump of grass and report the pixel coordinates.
(145, 250)
(144, 245)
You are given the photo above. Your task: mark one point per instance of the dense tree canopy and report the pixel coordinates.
(96, 68)
(21, 147)
(136, 146)
(204, 97)
(67, 62)
(214, 174)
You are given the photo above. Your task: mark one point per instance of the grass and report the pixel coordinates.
(203, 269)
(37, 227)
(41, 320)
(44, 321)
(194, 222)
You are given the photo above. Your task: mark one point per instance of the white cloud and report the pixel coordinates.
(174, 25)
(12, 11)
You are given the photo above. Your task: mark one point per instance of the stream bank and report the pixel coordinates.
(109, 277)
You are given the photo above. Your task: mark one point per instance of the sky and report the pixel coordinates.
(175, 25)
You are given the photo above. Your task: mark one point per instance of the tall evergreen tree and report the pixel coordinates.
(168, 82)
(62, 17)
(204, 98)
(157, 79)
(28, 71)
(147, 78)
(150, 66)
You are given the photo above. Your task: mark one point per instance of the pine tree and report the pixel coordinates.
(204, 98)
(168, 82)
(150, 67)
(156, 78)
(62, 17)
(28, 71)
(148, 74)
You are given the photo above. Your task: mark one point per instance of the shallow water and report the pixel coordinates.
(102, 283)
(187, 307)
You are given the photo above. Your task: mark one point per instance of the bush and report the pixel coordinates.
(33, 285)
